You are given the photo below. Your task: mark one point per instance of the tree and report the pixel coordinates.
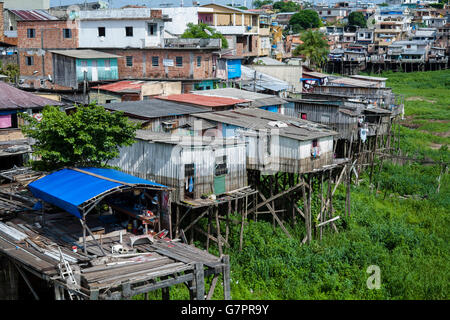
(259, 3)
(203, 31)
(10, 70)
(289, 6)
(88, 137)
(357, 19)
(304, 19)
(314, 48)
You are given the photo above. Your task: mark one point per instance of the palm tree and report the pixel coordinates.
(314, 48)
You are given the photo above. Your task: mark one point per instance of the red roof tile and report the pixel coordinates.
(200, 100)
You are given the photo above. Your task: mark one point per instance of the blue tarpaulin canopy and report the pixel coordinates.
(69, 189)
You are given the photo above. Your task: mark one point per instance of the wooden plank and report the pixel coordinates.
(212, 287)
(328, 221)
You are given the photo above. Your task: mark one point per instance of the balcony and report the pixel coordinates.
(11, 34)
(193, 43)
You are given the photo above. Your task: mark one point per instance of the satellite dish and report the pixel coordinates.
(208, 32)
(371, 22)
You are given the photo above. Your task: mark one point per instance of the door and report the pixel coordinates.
(94, 71)
(220, 173)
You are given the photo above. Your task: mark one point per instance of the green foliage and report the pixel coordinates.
(89, 136)
(289, 6)
(10, 70)
(384, 4)
(197, 31)
(305, 19)
(357, 19)
(259, 3)
(437, 5)
(314, 48)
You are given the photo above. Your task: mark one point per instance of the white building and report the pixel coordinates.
(121, 28)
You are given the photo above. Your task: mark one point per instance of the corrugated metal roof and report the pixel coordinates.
(121, 86)
(207, 101)
(368, 78)
(33, 15)
(242, 94)
(12, 98)
(352, 82)
(261, 120)
(262, 80)
(85, 54)
(153, 108)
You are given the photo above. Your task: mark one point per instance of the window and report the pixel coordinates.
(31, 33)
(107, 65)
(67, 33)
(129, 61)
(129, 31)
(84, 66)
(30, 61)
(152, 27)
(101, 31)
(199, 61)
(155, 61)
(221, 166)
(179, 61)
(315, 143)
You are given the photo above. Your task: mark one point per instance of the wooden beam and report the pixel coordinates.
(212, 287)
(328, 221)
(274, 214)
(195, 221)
(266, 201)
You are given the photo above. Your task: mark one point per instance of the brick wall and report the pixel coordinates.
(48, 36)
(2, 23)
(143, 68)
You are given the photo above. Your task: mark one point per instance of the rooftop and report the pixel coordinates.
(261, 120)
(85, 54)
(33, 15)
(122, 86)
(12, 98)
(153, 108)
(256, 98)
(206, 101)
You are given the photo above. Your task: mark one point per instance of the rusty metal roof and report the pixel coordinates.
(33, 15)
(122, 86)
(207, 101)
(12, 99)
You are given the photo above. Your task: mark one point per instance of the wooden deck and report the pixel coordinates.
(33, 244)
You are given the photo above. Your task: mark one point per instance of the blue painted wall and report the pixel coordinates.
(103, 74)
(234, 68)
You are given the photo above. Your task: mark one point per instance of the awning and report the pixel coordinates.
(73, 189)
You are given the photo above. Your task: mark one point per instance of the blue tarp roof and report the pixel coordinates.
(68, 188)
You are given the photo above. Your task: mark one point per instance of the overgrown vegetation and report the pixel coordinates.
(403, 227)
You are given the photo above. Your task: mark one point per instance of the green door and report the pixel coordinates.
(219, 184)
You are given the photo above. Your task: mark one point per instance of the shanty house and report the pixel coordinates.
(72, 67)
(194, 166)
(275, 142)
(13, 144)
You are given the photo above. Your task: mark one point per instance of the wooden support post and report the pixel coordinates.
(177, 226)
(227, 230)
(309, 209)
(165, 292)
(169, 212)
(347, 198)
(59, 292)
(24, 276)
(209, 228)
(226, 278)
(199, 275)
(321, 204)
(219, 236)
